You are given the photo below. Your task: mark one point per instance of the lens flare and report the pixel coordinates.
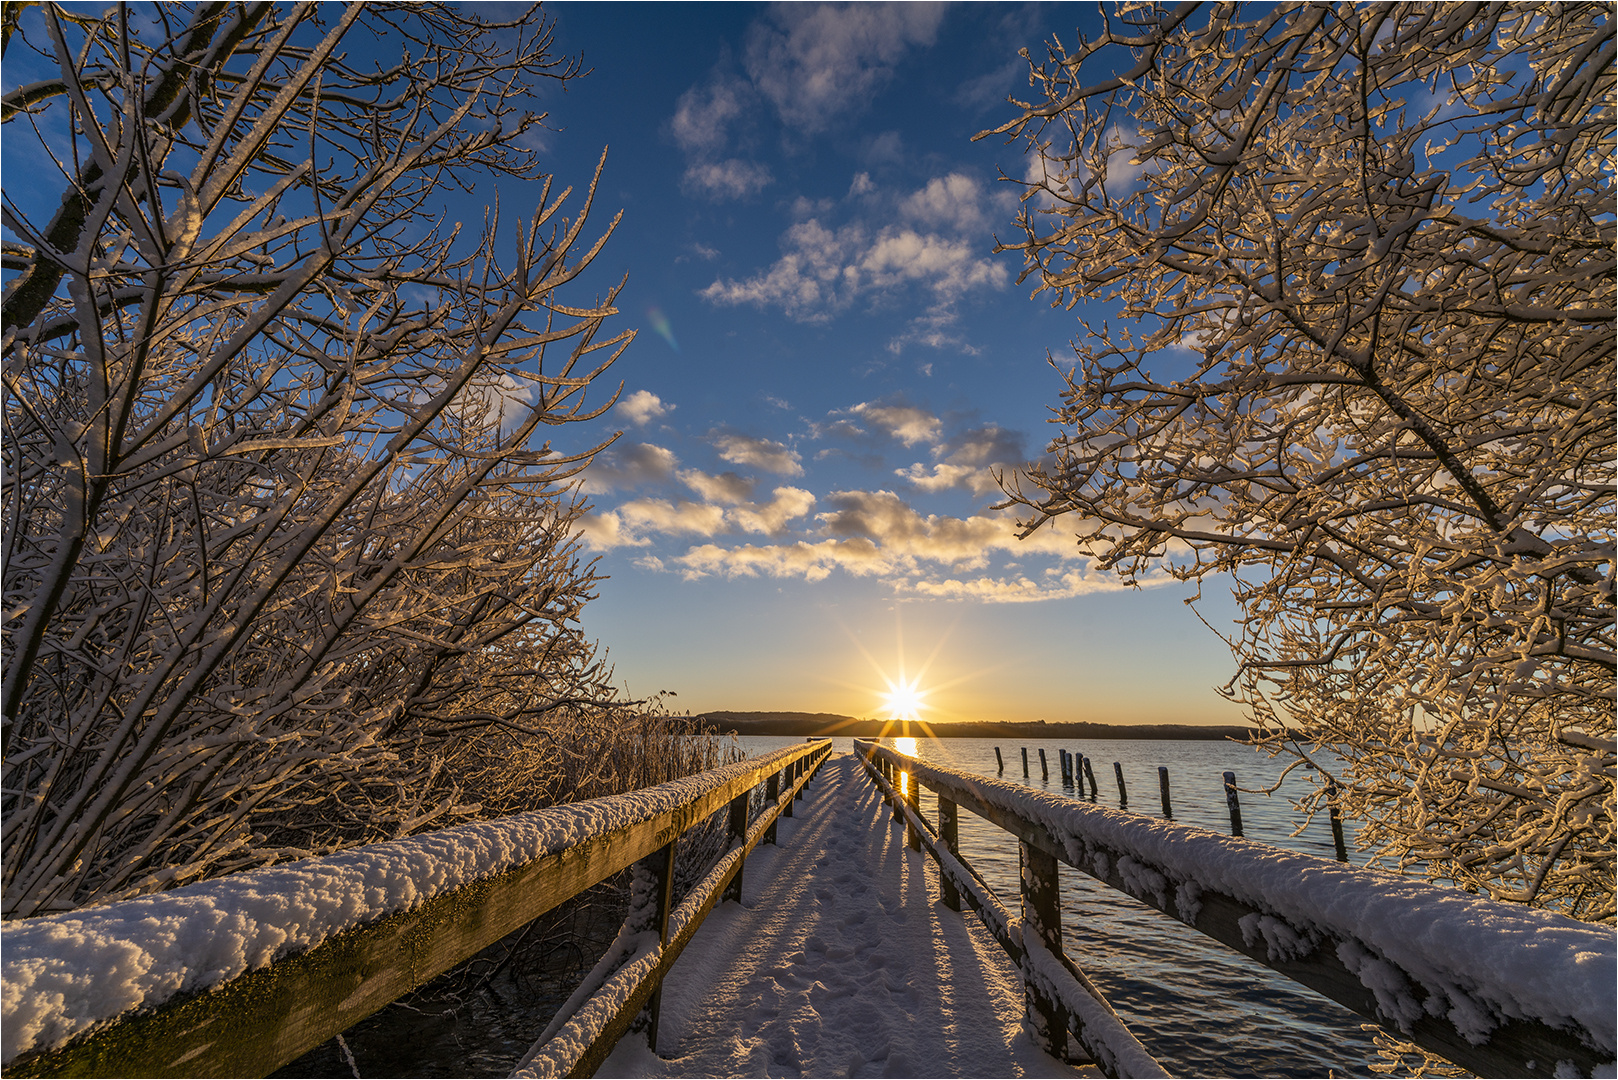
(660, 323)
(903, 701)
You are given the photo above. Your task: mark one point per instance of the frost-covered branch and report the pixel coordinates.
(1374, 243)
(277, 499)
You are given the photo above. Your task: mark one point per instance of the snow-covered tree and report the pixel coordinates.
(285, 553)
(1369, 251)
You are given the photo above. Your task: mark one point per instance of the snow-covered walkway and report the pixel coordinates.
(840, 961)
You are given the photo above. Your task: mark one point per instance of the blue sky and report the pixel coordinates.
(831, 362)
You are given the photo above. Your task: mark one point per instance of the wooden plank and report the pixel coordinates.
(1512, 1048)
(602, 1045)
(263, 1019)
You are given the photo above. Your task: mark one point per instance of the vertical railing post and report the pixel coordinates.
(913, 797)
(650, 901)
(738, 834)
(789, 776)
(800, 766)
(949, 832)
(1233, 804)
(1042, 920)
(772, 795)
(894, 778)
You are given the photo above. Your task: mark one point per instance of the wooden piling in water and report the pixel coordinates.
(1065, 764)
(1163, 788)
(998, 760)
(1044, 769)
(1078, 774)
(1233, 803)
(1123, 792)
(1336, 822)
(1090, 775)
(1025, 763)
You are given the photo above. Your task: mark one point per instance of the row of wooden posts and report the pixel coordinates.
(1076, 770)
(1541, 1041)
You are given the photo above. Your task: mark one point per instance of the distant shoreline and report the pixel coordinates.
(812, 724)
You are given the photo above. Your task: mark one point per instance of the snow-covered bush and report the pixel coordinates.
(1372, 244)
(288, 564)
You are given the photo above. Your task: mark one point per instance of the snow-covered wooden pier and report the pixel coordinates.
(858, 942)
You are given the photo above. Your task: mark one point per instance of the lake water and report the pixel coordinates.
(1202, 1009)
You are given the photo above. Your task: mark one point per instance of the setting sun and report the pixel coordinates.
(903, 701)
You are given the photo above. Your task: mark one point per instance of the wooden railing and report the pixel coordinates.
(204, 1018)
(1496, 988)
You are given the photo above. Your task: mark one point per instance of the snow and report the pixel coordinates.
(1103, 1034)
(1417, 946)
(67, 974)
(840, 961)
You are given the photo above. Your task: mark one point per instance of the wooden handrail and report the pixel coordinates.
(1276, 907)
(1063, 1005)
(580, 1039)
(332, 975)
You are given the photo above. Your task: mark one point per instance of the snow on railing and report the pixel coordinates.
(1062, 1002)
(1497, 988)
(242, 974)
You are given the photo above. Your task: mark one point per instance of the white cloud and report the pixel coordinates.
(642, 407)
(932, 328)
(732, 178)
(635, 523)
(670, 518)
(954, 201)
(628, 466)
(727, 488)
(702, 117)
(501, 401)
(875, 534)
(605, 531)
(789, 503)
(822, 271)
(940, 477)
(969, 461)
(906, 423)
(760, 453)
(817, 62)
(861, 185)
